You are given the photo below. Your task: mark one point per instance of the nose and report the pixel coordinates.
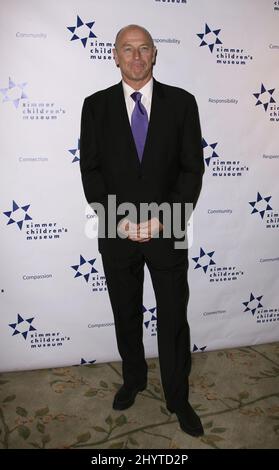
(136, 54)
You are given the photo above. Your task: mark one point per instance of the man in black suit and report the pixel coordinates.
(141, 144)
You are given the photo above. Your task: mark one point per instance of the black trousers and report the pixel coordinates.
(125, 287)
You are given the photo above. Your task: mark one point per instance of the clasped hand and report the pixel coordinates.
(142, 232)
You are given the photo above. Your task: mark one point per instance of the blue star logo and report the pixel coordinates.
(18, 215)
(253, 304)
(204, 260)
(84, 268)
(83, 362)
(264, 97)
(14, 93)
(151, 322)
(209, 151)
(22, 326)
(261, 205)
(82, 31)
(75, 152)
(196, 348)
(209, 37)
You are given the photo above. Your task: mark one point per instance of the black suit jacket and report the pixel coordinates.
(172, 164)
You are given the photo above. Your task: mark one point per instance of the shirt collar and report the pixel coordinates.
(146, 90)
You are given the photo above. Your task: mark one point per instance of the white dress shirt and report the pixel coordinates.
(146, 99)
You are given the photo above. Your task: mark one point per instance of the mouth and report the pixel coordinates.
(137, 66)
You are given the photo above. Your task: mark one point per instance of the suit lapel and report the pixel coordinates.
(122, 128)
(156, 121)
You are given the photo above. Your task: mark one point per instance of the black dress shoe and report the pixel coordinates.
(125, 397)
(188, 420)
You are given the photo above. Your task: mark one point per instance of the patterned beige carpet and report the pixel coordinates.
(236, 393)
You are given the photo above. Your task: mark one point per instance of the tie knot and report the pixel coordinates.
(136, 96)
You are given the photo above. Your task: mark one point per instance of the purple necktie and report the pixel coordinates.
(139, 123)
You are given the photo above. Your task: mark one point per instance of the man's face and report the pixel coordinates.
(135, 55)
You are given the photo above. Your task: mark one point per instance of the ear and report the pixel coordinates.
(154, 55)
(115, 56)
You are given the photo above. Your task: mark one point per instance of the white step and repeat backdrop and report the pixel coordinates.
(55, 309)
